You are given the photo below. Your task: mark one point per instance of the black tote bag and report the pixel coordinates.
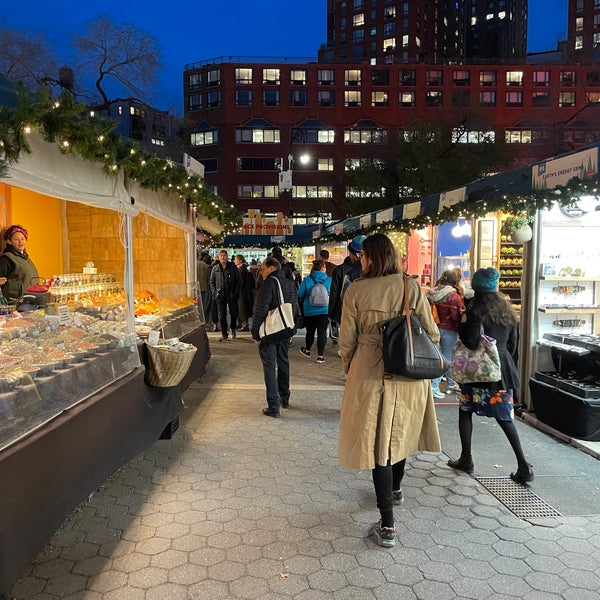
(407, 349)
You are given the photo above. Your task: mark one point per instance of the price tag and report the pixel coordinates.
(153, 337)
(63, 314)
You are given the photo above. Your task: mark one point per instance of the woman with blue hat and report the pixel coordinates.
(490, 309)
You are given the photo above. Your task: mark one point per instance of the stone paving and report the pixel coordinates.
(238, 505)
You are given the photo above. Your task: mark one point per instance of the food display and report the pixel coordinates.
(172, 311)
(511, 270)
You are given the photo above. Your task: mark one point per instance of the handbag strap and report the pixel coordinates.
(282, 301)
(411, 349)
(281, 298)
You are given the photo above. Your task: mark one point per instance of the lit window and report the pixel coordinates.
(243, 75)
(404, 41)
(352, 98)
(541, 78)
(325, 76)
(379, 99)
(487, 99)
(566, 99)
(271, 76)
(257, 135)
(487, 78)
(358, 19)
(407, 98)
(352, 76)
(578, 42)
(389, 44)
(514, 99)
(489, 16)
(579, 23)
(325, 164)
(514, 78)
(502, 14)
(205, 137)
(473, 21)
(298, 77)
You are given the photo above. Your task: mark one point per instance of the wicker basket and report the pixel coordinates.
(168, 365)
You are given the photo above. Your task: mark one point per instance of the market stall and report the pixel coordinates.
(74, 399)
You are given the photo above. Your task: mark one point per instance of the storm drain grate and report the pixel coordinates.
(518, 499)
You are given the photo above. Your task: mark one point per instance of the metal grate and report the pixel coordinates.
(518, 499)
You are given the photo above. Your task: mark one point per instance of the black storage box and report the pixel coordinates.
(572, 415)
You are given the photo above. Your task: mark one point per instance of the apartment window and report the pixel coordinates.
(213, 99)
(541, 78)
(358, 35)
(389, 44)
(298, 77)
(433, 99)
(461, 98)
(461, 77)
(325, 76)
(312, 191)
(312, 132)
(408, 98)
(540, 99)
(596, 4)
(593, 97)
(365, 136)
(408, 77)
(258, 191)
(195, 102)
(213, 77)
(298, 98)
(352, 98)
(596, 39)
(514, 99)
(380, 77)
(514, 77)
(204, 138)
(379, 99)
(257, 163)
(358, 20)
(204, 135)
(359, 4)
(325, 164)
(257, 135)
(243, 75)
(243, 97)
(596, 21)
(578, 42)
(211, 165)
(487, 99)
(389, 29)
(487, 78)
(271, 76)
(195, 81)
(325, 98)
(405, 8)
(357, 53)
(592, 78)
(460, 135)
(434, 78)
(356, 192)
(525, 136)
(271, 98)
(579, 24)
(567, 78)
(579, 5)
(352, 77)
(405, 40)
(566, 99)
(389, 12)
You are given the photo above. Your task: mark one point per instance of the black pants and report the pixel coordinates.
(276, 371)
(318, 323)
(386, 480)
(222, 306)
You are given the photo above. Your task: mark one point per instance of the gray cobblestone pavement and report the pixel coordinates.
(237, 505)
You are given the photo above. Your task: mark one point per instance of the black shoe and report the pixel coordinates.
(223, 339)
(269, 412)
(304, 351)
(462, 464)
(285, 403)
(523, 475)
(233, 334)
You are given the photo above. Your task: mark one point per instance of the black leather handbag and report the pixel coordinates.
(407, 349)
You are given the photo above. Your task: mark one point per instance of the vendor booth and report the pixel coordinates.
(75, 399)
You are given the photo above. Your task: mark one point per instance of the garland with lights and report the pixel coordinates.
(64, 121)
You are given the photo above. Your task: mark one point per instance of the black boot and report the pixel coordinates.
(523, 475)
(462, 464)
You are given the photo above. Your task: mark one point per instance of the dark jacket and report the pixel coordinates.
(507, 344)
(354, 271)
(19, 270)
(267, 298)
(225, 283)
(247, 293)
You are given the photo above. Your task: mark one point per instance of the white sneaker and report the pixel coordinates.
(437, 393)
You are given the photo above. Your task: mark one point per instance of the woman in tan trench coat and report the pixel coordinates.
(384, 418)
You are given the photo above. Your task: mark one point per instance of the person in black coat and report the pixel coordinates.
(274, 355)
(225, 284)
(500, 321)
(247, 293)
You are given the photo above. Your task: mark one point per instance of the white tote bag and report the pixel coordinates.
(279, 322)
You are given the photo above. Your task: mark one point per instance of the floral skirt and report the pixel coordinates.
(497, 404)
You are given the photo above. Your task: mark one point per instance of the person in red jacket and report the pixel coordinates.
(447, 297)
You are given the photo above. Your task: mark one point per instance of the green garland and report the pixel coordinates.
(66, 122)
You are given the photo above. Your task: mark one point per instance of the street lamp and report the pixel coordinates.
(285, 177)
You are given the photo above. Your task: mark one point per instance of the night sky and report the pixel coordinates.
(195, 31)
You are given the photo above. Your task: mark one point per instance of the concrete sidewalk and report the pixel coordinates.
(238, 505)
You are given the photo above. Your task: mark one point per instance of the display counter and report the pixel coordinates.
(69, 422)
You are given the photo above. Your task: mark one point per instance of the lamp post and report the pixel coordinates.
(285, 177)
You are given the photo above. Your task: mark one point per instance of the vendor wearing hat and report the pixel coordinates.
(344, 275)
(17, 271)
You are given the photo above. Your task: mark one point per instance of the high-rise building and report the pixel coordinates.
(496, 31)
(584, 31)
(430, 31)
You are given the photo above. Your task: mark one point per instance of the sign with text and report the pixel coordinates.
(412, 210)
(257, 224)
(552, 173)
(452, 197)
(383, 216)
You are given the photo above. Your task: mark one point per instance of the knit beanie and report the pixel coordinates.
(355, 246)
(485, 280)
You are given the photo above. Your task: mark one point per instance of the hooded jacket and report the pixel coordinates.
(450, 306)
(304, 293)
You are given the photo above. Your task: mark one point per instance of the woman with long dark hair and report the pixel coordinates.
(490, 309)
(384, 417)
